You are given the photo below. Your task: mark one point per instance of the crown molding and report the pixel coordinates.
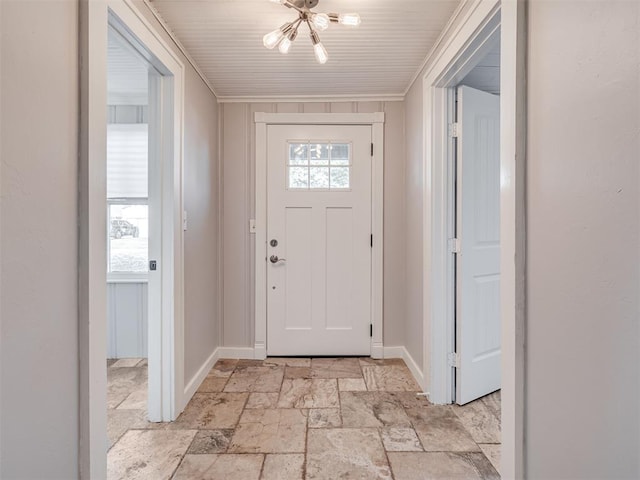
(312, 99)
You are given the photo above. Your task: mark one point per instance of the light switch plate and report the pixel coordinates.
(252, 226)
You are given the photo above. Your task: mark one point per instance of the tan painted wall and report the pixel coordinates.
(38, 239)
(414, 236)
(583, 259)
(238, 157)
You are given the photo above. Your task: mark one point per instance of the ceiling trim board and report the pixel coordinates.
(178, 44)
(312, 99)
(319, 118)
(457, 15)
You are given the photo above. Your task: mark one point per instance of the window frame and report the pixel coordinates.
(310, 142)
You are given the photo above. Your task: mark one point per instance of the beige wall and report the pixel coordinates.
(414, 236)
(38, 240)
(583, 259)
(202, 238)
(238, 157)
(201, 182)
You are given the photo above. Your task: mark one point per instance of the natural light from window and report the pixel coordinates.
(319, 166)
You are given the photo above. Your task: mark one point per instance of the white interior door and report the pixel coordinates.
(478, 230)
(319, 240)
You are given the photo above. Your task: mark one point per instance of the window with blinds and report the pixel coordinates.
(127, 198)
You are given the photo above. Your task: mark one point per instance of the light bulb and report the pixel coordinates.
(321, 21)
(285, 45)
(321, 53)
(350, 19)
(270, 40)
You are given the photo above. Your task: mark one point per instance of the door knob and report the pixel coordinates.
(274, 259)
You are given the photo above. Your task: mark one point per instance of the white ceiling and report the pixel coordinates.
(486, 75)
(381, 57)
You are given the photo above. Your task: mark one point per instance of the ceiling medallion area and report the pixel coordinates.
(284, 36)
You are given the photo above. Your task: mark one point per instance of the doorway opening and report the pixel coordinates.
(130, 160)
(475, 158)
(140, 226)
(473, 100)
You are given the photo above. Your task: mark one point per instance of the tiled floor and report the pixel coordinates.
(294, 418)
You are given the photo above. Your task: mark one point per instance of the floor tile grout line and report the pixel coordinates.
(476, 458)
(183, 456)
(386, 454)
(264, 462)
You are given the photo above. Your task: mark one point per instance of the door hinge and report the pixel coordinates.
(371, 330)
(454, 245)
(372, 240)
(454, 130)
(372, 149)
(454, 360)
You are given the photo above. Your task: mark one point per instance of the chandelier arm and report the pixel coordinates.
(311, 29)
(294, 30)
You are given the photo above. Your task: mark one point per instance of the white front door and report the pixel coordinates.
(318, 240)
(478, 229)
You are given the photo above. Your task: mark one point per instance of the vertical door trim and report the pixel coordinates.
(467, 37)
(376, 121)
(92, 325)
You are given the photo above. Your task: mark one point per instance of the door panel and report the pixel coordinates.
(339, 268)
(478, 228)
(298, 279)
(319, 213)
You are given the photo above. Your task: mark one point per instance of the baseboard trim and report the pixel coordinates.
(237, 353)
(403, 353)
(260, 351)
(198, 378)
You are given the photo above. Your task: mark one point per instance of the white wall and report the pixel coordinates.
(38, 239)
(583, 259)
(238, 157)
(127, 320)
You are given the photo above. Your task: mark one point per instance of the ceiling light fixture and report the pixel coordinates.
(284, 36)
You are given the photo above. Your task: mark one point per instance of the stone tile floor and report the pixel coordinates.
(300, 418)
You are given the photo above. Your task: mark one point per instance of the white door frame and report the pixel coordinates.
(376, 121)
(95, 16)
(477, 25)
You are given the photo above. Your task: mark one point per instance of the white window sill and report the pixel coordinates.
(128, 278)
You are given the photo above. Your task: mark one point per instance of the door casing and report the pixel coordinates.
(474, 25)
(95, 18)
(376, 121)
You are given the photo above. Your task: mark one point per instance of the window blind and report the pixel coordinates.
(127, 160)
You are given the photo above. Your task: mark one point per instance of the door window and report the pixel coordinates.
(314, 165)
